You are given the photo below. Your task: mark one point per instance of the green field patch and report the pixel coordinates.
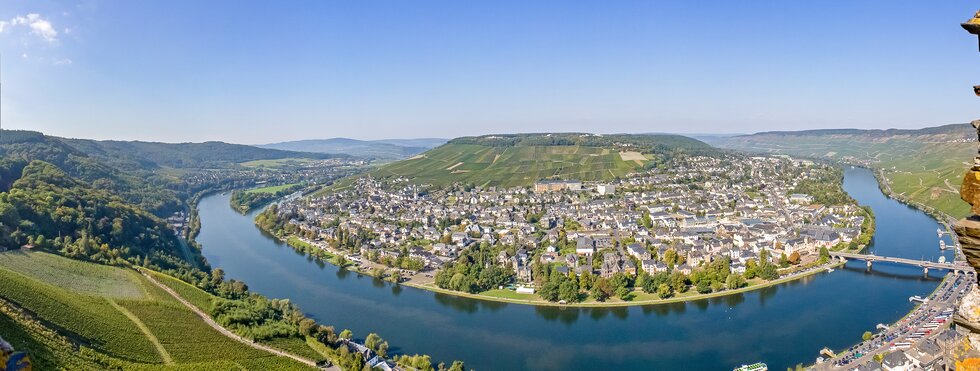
(75, 276)
(271, 189)
(278, 163)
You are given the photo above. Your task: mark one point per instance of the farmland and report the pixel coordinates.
(112, 316)
(279, 163)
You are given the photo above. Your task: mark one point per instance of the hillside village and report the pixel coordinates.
(743, 211)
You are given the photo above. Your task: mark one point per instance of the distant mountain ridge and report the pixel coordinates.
(383, 149)
(950, 129)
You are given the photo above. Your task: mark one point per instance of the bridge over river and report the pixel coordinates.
(955, 266)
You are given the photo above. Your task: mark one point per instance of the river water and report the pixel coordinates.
(781, 325)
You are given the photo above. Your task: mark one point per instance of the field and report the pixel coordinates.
(80, 315)
(927, 168)
(510, 166)
(270, 189)
(278, 163)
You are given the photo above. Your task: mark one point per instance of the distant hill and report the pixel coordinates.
(521, 159)
(925, 164)
(181, 155)
(381, 149)
(131, 170)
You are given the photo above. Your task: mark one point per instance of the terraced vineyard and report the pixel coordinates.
(79, 315)
(511, 166)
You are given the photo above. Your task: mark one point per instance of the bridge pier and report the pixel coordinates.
(925, 271)
(869, 264)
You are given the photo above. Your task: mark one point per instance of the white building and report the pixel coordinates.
(606, 189)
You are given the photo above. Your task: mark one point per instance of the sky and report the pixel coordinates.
(268, 71)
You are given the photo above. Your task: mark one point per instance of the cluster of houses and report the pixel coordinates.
(701, 208)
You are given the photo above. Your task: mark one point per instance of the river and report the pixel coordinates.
(781, 325)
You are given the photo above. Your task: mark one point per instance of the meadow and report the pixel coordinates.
(271, 189)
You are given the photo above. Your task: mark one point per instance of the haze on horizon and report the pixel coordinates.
(260, 73)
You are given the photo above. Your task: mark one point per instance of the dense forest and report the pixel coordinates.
(48, 209)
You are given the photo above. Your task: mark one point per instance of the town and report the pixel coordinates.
(742, 219)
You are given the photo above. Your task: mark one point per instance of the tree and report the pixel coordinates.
(307, 326)
(568, 291)
(550, 291)
(734, 281)
(346, 334)
(783, 260)
(751, 269)
(602, 289)
(867, 335)
(624, 293)
(824, 255)
(396, 276)
(383, 349)
(678, 282)
(585, 281)
(794, 258)
(767, 271)
(372, 341)
(664, 291)
(670, 258)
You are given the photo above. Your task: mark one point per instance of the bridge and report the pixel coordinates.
(957, 267)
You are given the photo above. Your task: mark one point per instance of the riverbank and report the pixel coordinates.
(415, 281)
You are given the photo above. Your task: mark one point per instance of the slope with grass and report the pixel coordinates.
(81, 315)
(520, 160)
(924, 165)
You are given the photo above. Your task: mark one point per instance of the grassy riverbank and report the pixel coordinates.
(640, 297)
(508, 296)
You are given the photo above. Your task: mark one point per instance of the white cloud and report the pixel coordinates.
(39, 26)
(62, 62)
(24, 55)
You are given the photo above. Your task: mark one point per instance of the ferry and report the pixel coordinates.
(759, 366)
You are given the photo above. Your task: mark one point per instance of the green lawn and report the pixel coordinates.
(271, 189)
(510, 294)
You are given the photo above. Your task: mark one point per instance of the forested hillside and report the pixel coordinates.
(48, 209)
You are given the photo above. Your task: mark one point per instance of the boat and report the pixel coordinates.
(830, 270)
(942, 244)
(758, 366)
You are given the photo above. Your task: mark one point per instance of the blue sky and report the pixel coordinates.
(259, 72)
